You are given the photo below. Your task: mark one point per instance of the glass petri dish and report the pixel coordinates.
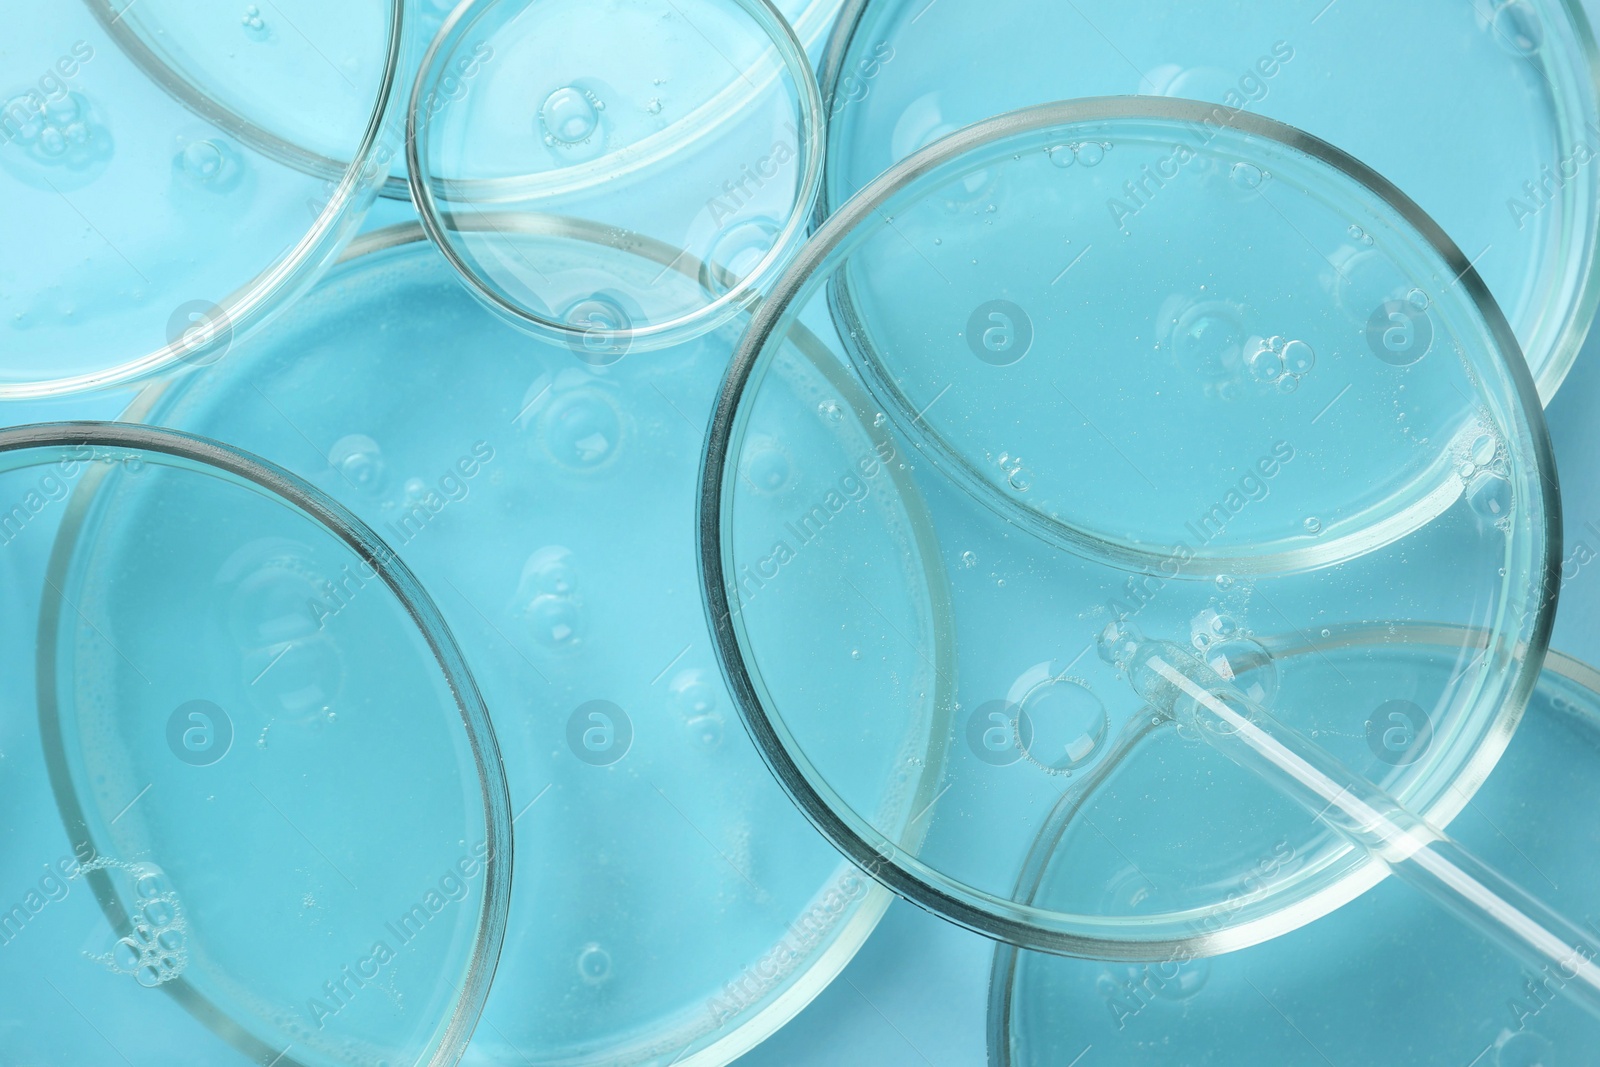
(1387, 975)
(547, 499)
(149, 224)
(238, 830)
(1495, 140)
(285, 134)
(695, 125)
(1211, 517)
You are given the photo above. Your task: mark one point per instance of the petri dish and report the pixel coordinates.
(547, 500)
(1384, 976)
(1359, 483)
(236, 834)
(284, 133)
(1495, 140)
(149, 223)
(696, 125)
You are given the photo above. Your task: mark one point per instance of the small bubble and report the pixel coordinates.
(692, 694)
(1246, 175)
(654, 107)
(1224, 581)
(1489, 494)
(1019, 480)
(1418, 299)
(1091, 152)
(830, 410)
(879, 419)
(855, 653)
(1063, 155)
(1326, 632)
(1312, 524)
(1288, 383)
(203, 159)
(360, 461)
(969, 559)
(707, 730)
(1069, 723)
(594, 964)
(1484, 449)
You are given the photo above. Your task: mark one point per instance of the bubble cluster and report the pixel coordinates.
(63, 136)
(1088, 153)
(1016, 476)
(155, 950)
(1280, 362)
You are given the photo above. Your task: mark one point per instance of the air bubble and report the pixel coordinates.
(1264, 364)
(583, 430)
(1248, 665)
(1246, 175)
(769, 467)
(1312, 524)
(569, 116)
(692, 694)
(1063, 155)
(738, 250)
(969, 559)
(203, 160)
(1299, 357)
(549, 571)
(594, 964)
(1117, 642)
(1517, 29)
(1069, 723)
(556, 622)
(830, 410)
(1489, 494)
(1090, 152)
(707, 730)
(359, 460)
(1418, 299)
(1484, 448)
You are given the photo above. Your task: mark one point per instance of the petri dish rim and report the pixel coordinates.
(275, 482)
(812, 144)
(1564, 346)
(844, 947)
(836, 230)
(983, 913)
(1004, 966)
(246, 307)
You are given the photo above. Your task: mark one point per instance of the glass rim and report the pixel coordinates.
(811, 145)
(208, 455)
(252, 303)
(985, 913)
(806, 982)
(1574, 328)
(1006, 961)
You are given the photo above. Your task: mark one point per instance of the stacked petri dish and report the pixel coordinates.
(1079, 468)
